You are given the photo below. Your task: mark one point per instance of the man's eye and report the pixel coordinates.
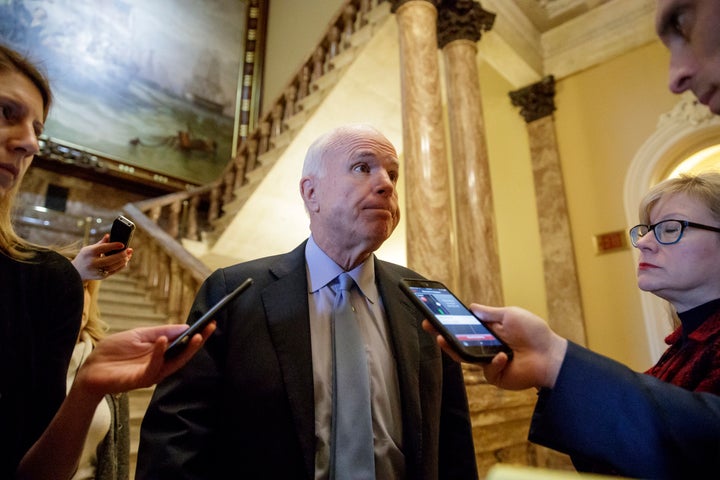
(361, 167)
(679, 23)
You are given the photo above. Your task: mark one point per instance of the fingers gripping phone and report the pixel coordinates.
(465, 333)
(179, 344)
(121, 231)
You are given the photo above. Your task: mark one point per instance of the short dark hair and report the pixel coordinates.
(12, 61)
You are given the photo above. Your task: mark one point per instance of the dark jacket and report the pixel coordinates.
(244, 404)
(41, 303)
(641, 426)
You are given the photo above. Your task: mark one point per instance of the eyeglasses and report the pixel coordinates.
(666, 232)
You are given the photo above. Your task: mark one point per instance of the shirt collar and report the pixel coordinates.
(322, 270)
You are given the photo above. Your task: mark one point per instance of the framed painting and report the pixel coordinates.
(142, 86)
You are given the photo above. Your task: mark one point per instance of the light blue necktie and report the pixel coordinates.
(352, 455)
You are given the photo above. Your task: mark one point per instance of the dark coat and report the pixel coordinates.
(638, 425)
(244, 404)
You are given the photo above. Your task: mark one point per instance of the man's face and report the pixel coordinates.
(691, 31)
(355, 201)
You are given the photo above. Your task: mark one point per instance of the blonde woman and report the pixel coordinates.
(41, 302)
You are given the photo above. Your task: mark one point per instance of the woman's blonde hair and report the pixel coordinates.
(704, 187)
(95, 327)
(11, 244)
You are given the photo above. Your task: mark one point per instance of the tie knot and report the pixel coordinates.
(346, 281)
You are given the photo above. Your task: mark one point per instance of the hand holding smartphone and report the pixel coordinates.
(463, 331)
(121, 231)
(180, 342)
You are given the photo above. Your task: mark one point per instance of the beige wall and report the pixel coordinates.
(295, 28)
(604, 115)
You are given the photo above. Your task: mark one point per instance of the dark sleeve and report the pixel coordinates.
(452, 439)
(178, 431)
(457, 450)
(63, 314)
(604, 412)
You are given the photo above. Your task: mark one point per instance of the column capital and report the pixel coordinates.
(395, 4)
(537, 100)
(462, 20)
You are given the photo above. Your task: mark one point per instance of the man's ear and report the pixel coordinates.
(309, 194)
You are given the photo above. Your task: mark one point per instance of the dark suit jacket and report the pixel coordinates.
(244, 405)
(601, 411)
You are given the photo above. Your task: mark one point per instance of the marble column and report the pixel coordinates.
(430, 242)
(460, 26)
(565, 313)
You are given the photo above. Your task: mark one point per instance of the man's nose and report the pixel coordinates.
(681, 73)
(385, 183)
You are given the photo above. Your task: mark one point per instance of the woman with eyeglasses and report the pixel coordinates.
(608, 418)
(679, 261)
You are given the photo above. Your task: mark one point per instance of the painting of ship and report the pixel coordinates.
(204, 88)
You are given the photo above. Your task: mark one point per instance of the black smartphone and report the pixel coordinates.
(467, 335)
(121, 231)
(180, 342)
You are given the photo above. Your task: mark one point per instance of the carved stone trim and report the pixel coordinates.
(462, 20)
(395, 4)
(537, 100)
(687, 111)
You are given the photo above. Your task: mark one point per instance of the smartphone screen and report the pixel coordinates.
(472, 340)
(180, 342)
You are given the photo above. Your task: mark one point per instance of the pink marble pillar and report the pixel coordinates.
(459, 29)
(565, 313)
(430, 243)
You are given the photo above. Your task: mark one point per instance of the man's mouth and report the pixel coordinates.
(706, 97)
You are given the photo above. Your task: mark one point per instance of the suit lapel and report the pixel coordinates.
(286, 304)
(403, 328)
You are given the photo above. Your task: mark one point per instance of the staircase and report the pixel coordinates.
(124, 304)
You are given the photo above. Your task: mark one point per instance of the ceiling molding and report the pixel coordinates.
(597, 36)
(513, 46)
(524, 55)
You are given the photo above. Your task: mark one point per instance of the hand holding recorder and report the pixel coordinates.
(538, 352)
(467, 337)
(108, 256)
(121, 231)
